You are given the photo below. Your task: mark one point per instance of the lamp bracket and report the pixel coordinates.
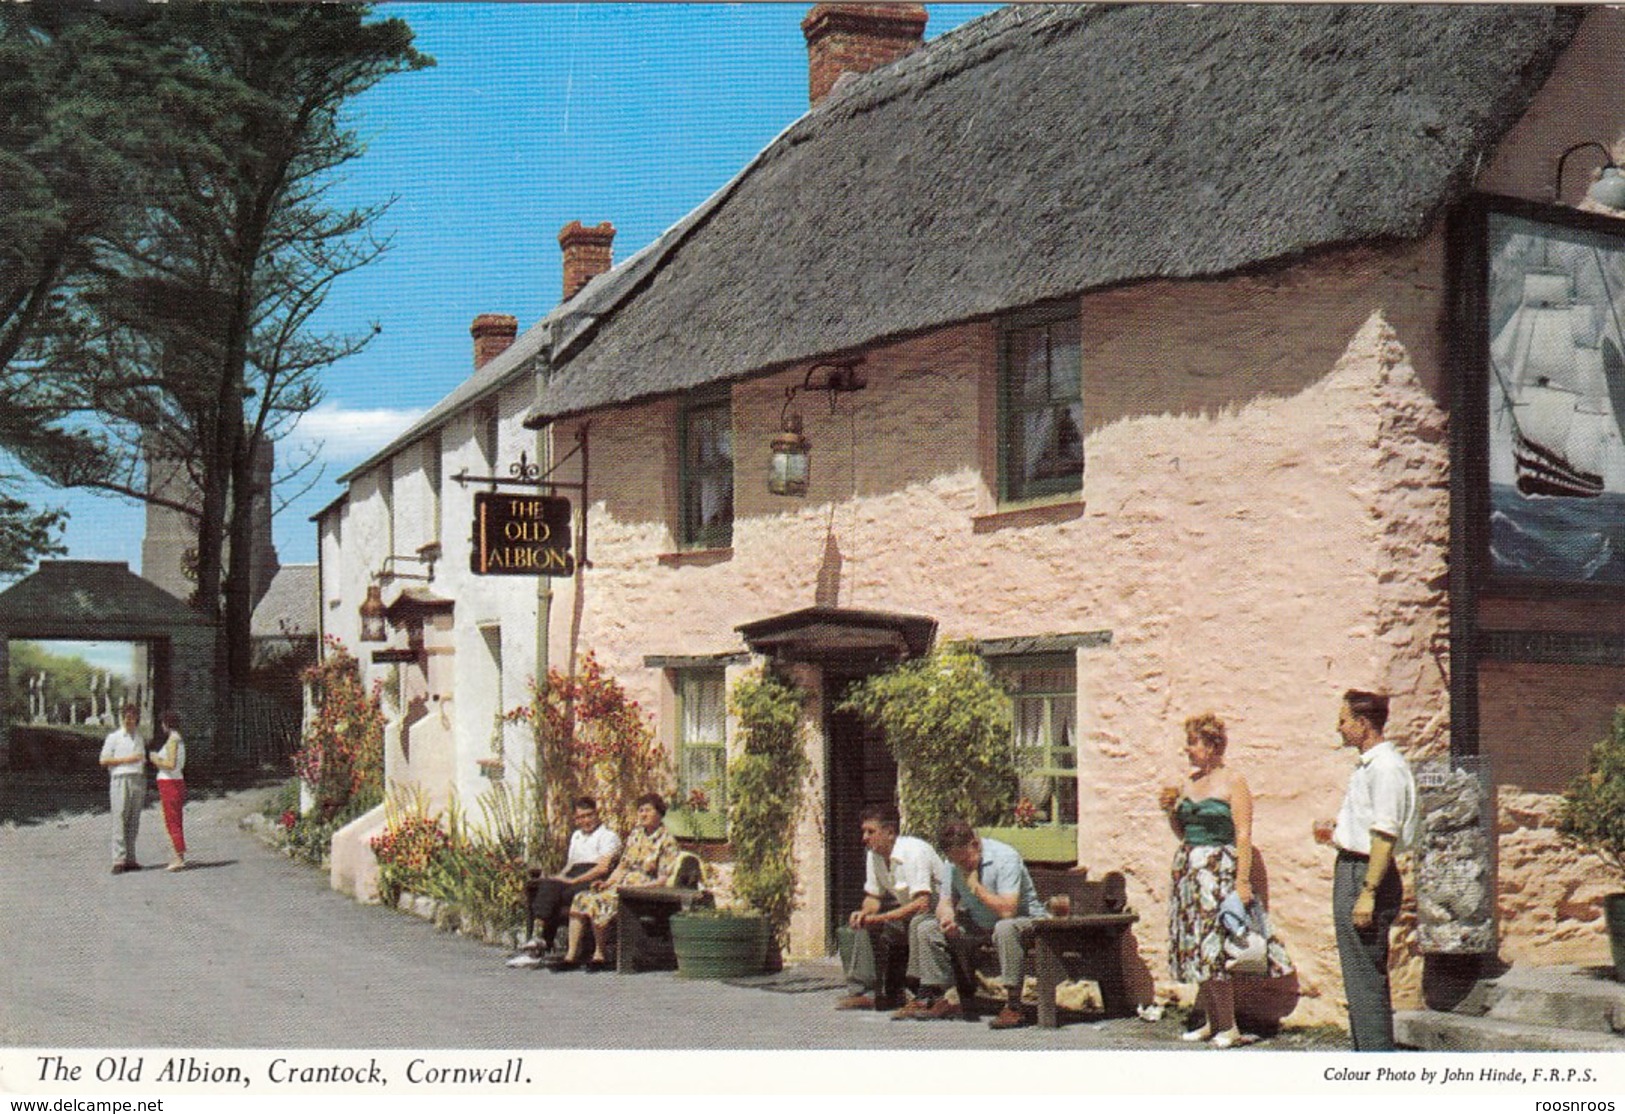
(425, 556)
(840, 377)
(1562, 160)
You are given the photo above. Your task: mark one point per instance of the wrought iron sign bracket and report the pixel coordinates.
(525, 474)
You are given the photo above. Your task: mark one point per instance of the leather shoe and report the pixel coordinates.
(1008, 1019)
(596, 965)
(564, 965)
(915, 1009)
(938, 1010)
(856, 1002)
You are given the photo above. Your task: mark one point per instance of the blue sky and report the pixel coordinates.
(535, 115)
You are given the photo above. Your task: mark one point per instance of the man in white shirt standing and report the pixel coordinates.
(125, 756)
(901, 874)
(1378, 820)
(592, 853)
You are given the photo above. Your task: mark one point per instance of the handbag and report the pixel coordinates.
(1247, 931)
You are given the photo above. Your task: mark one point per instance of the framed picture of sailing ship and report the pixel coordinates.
(1550, 313)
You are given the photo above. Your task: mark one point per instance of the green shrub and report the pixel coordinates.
(947, 722)
(766, 790)
(1594, 805)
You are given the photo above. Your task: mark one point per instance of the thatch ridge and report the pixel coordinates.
(1041, 152)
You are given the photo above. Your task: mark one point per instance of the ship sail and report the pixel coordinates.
(1551, 369)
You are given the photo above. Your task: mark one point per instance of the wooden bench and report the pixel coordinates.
(1089, 938)
(643, 927)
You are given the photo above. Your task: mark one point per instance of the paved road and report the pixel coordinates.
(252, 950)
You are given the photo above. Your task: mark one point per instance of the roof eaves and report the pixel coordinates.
(501, 371)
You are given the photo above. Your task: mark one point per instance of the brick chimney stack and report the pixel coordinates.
(857, 38)
(587, 254)
(492, 333)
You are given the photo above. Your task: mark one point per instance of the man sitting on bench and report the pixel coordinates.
(900, 875)
(990, 898)
(593, 848)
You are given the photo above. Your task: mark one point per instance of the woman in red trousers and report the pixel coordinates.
(171, 761)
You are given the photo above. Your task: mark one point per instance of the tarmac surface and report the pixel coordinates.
(249, 949)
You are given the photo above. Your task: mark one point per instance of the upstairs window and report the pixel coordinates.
(705, 433)
(1041, 404)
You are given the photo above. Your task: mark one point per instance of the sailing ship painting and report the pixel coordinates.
(1556, 403)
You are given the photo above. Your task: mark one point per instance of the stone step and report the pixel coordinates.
(1583, 999)
(1453, 1032)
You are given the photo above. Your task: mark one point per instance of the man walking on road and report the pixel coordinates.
(1378, 820)
(125, 756)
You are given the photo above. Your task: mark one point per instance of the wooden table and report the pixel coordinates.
(1097, 939)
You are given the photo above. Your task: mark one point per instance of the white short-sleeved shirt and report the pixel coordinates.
(590, 847)
(174, 751)
(124, 744)
(913, 869)
(1381, 796)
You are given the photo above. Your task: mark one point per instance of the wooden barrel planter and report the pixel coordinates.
(719, 946)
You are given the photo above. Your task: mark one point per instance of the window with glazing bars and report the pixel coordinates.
(1044, 691)
(702, 759)
(1041, 404)
(707, 479)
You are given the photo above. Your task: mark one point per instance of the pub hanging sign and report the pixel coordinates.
(521, 535)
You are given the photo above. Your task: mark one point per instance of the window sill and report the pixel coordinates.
(1037, 514)
(684, 557)
(1043, 844)
(711, 825)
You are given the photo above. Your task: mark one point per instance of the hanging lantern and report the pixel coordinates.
(373, 628)
(787, 475)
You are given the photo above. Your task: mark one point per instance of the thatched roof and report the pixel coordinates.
(1045, 151)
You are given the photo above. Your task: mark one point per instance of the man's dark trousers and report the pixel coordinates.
(1364, 953)
(550, 901)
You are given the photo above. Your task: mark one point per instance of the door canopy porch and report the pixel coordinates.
(831, 635)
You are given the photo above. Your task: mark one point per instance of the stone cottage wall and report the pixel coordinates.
(1263, 524)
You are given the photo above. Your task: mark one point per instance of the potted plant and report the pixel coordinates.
(1594, 818)
(947, 722)
(720, 943)
(766, 786)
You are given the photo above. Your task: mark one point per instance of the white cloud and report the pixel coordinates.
(348, 436)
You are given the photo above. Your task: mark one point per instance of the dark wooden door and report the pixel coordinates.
(861, 772)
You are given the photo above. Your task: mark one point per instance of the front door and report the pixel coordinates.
(861, 772)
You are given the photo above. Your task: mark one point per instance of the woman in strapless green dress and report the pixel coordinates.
(1212, 813)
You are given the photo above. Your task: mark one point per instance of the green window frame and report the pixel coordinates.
(1040, 404)
(706, 473)
(1044, 730)
(702, 751)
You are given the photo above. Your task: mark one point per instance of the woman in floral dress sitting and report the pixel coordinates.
(649, 855)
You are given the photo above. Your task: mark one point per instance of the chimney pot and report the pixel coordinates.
(587, 254)
(492, 333)
(857, 38)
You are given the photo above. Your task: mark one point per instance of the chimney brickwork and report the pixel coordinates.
(857, 38)
(492, 333)
(587, 254)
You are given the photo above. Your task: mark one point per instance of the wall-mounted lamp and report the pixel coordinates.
(373, 625)
(374, 616)
(1608, 189)
(792, 452)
